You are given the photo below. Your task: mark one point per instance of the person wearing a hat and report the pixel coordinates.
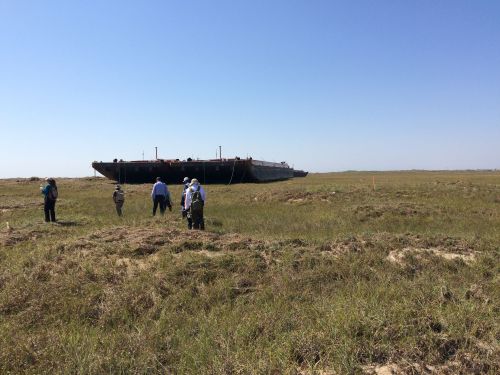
(185, 183)
(49, 199)
(195, 201)
(119, 199)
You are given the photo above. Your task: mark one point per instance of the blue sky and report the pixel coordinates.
(324, 85)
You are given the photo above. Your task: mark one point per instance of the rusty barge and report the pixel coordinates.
(213, 171)
(299, 173)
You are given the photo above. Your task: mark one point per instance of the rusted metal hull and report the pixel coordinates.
(224, 171)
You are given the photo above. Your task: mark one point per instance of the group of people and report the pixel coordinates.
(192, 203)
(192, 200)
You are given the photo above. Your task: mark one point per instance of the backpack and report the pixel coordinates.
(52, 195)
(120, 196)
(196, 201)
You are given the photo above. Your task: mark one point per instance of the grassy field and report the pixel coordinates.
(317, 275)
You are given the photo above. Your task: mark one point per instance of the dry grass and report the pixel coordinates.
(318, 275)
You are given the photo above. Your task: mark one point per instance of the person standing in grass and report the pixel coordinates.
(185, 188)
(50, 194)
(160, 196)
(119, 199)
(185, 184)
(195, 201)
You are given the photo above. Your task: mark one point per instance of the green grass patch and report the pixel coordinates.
(321, 274)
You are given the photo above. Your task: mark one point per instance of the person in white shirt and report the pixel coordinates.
(193, 205)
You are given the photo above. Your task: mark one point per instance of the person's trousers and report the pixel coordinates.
(197, 218)
(119, 206)
(49, 208)
(159, 200)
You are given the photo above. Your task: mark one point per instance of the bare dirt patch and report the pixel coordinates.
(402, 248)
(447, 248)
(464, 363)
(10, 236)
(399, 255)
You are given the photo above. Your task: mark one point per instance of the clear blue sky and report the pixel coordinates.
(324, 85)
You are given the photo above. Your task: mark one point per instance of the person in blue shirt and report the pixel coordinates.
(49, 199)
(160, 196)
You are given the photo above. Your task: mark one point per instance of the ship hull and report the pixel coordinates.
(299, 173)
(206, 171)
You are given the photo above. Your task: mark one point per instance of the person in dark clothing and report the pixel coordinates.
(185, 184)
(50, 194)
(160, 196)
(184, 212)
(159, 200)
(119, 199)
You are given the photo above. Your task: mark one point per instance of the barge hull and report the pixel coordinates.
(299, 173)
(206, 171)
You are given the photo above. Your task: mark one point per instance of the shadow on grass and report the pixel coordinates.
(67, 223)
